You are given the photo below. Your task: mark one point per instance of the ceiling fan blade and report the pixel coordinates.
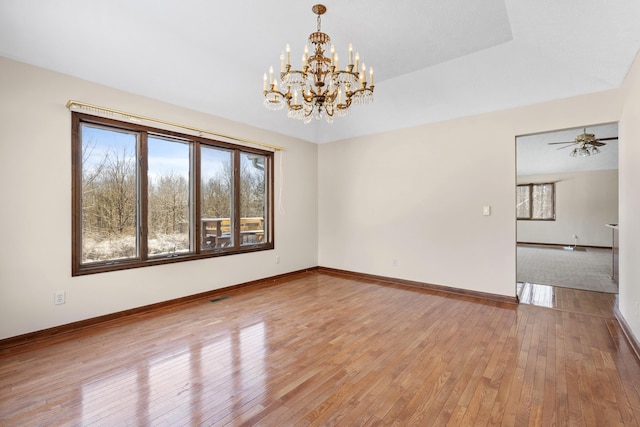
(613, 138)
(598, 143)
(568, 142)
(562, 148)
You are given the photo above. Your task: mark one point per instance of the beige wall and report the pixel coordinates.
(585, 202)
(629, 166)
(416, 195)
(35, 218)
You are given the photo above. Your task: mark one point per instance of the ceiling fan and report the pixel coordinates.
(587, 144)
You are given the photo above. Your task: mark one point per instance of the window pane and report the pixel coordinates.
(216, 175)
(542, 201)
(252, 198)
(523, 210)
(168, 196)
(109, 196)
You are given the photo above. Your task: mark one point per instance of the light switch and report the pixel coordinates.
(486, 210)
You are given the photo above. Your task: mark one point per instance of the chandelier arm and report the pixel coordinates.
(273, 90)
(362, 89)
(312, 94)
(308, 97)
(308, 113)
(330, 111)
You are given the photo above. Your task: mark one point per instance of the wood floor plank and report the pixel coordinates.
(321, 349)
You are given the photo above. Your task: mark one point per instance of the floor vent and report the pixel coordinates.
(219, 299)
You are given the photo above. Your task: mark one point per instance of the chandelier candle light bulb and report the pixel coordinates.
(320, 89)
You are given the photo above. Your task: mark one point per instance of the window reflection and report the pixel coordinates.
(252, 355)
(108, 395)
(170, 377)
(175, 385)
(534, 294)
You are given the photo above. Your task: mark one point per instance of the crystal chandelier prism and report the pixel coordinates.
(320, 88)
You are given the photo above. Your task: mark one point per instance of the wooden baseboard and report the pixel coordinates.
(628, 333)
(501, 299)
(561, 245)
(69, 327)
(30, 337)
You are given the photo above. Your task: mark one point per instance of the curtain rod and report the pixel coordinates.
(71, 104)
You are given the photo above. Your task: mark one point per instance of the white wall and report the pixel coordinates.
(585, 202)
(629, 176)
(416, 195)
(35, 218)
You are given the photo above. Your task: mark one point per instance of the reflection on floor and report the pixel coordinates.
(540, 295)
(323, 349)
(599, 304)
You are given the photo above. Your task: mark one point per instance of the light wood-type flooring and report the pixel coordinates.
(325, 349)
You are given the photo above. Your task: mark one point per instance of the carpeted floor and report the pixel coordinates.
(588, 269)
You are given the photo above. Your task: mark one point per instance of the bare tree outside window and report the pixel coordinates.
(108, 195)
(252, 197)
(168, 189)
(216, 180)
(142, 197)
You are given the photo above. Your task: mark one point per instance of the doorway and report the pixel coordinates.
(567, 194)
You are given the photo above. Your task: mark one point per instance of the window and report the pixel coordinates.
(145, 196)
(536, 202)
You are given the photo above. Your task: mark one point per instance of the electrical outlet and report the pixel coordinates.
(394, 262)
(59, 297)
(277, 259)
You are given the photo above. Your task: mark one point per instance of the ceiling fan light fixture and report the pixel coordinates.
(584, 151)
(587, 144)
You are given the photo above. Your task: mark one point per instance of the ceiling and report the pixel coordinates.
(433, 60)
(536, 157)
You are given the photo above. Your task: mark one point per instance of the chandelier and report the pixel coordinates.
(587, 145)
(320, 88)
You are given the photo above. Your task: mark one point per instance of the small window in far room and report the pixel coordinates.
(536, 202)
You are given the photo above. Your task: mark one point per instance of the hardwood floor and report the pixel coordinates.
(321, 349)
(566, 299)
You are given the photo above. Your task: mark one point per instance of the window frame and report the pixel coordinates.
(143, 258)
(530, 186)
